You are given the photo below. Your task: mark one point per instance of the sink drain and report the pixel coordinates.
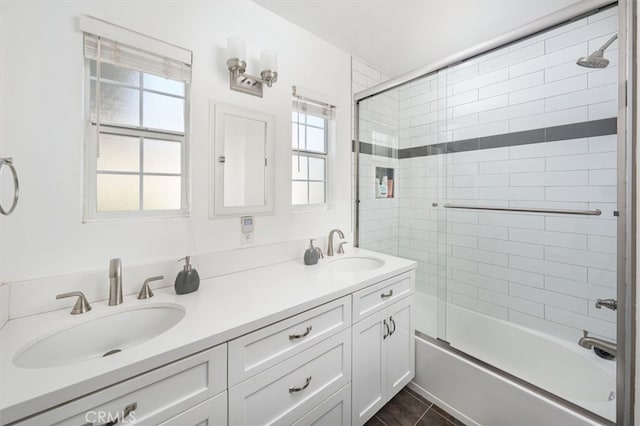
(111, 352)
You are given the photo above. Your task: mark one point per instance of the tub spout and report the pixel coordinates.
(593, 342)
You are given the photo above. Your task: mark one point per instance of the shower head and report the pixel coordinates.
(597, 59)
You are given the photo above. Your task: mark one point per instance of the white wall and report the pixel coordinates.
(42, 116)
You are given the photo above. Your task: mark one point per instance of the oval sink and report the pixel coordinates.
(98, 337)
(355, 264)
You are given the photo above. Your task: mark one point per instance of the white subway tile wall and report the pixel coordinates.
(378, 125)
(541, 271)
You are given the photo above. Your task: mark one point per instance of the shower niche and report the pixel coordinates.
(384, 182)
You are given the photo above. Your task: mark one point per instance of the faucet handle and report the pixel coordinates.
(320, 253)
(82, 304)
(145, 291)
(341, 247)
(585, 333)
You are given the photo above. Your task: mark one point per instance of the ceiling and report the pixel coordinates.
(398, 36)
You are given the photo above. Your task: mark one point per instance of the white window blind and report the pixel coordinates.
(109, 43)
(313, 107)
(113, 52)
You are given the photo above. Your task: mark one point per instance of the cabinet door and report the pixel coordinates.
(400, 346)
(369, 365)
(212, 412)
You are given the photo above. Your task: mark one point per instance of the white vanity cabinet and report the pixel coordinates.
(150, 398)
(383, 346)
(335, 364)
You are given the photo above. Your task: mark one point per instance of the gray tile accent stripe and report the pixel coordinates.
(586, 129)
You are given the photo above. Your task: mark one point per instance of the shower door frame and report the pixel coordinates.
(626, 125)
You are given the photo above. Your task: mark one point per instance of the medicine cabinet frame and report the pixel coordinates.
(221, 117)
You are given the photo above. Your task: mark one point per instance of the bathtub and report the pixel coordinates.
(479, 394)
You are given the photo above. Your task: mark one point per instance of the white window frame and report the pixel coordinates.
(159, 50)
(304, 95)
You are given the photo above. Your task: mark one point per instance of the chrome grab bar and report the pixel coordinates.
(16, 185)
(594, 212)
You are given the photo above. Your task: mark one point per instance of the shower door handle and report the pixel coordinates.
(386, 329)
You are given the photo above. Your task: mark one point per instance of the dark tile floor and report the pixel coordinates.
(408, 408)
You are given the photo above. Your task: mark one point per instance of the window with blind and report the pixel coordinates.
(311, 130)
(137, 124)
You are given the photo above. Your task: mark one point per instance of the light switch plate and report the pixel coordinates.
(246, 230)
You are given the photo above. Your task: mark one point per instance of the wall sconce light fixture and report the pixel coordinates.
(237, 66)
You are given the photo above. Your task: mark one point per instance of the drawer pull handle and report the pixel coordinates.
(293, 389)
(386, 329)
(300, 336)
(385, 295)
(393, 323)
(127, 411)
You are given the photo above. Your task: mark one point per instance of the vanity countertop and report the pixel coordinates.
(224, 308)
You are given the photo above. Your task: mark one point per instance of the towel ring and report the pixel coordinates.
(16, 185)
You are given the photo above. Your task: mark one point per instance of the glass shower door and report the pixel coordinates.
(402, 181)
(531, 211)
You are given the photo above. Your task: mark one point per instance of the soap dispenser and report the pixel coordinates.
(311, 254)
(188, 279)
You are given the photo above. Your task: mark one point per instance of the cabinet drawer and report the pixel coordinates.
(212, 412)
(152, 397)
(285, 392)
(257, 351)
(333, 411)
(379, 296)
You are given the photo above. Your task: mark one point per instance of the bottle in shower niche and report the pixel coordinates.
(383, 187)
(188, 279)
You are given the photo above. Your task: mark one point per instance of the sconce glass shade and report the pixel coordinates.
(235, 48)
(269, 60)
(237, 66)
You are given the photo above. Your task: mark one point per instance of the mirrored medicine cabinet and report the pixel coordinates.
(241, 161)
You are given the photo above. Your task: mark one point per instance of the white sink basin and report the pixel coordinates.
(97, 337)
(355, 264)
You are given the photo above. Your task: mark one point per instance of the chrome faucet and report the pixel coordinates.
(607, 303)
(330, 246)
(593, 342)
(115, 282)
